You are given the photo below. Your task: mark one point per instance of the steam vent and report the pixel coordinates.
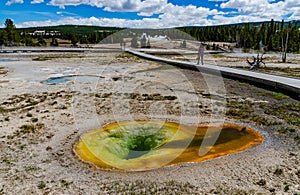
(144, 145)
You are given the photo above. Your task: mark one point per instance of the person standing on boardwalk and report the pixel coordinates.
(200, 54)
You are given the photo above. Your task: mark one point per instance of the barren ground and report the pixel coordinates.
(40, 123)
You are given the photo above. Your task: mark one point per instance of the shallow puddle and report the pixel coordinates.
(144, 145)
(5, 60)
(77, 78)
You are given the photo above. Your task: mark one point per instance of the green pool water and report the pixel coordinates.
(144, 145)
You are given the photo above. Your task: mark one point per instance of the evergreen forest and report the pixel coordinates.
(271, 35)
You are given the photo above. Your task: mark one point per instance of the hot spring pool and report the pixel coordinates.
(76, 78)
(5, 60)
(144, 145)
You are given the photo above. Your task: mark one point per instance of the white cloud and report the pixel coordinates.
(170, 15)
(220, 19)
(295, 15)
(10, 2)
(185, 15)
(150, 7)
(37, 1)
(292, 4)
(246, 5)
(143, 7)
(89, 21)
(63, 3)
(121, 5)
(173, 16)
(138, 23)
(265, 9)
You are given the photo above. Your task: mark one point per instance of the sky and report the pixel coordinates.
(145, 13)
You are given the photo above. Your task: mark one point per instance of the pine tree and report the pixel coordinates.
(3, 37)
(74, 40)
(54, 42)
(41, 41)
(13, 37)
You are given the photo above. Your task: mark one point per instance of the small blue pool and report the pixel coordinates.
(76, 78)
(5, 60)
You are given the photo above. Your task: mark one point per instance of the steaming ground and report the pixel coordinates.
(40, 123)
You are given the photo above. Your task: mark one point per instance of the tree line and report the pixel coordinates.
(11, 36)
(273, 36)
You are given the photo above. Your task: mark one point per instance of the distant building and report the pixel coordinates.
(53, 33)
(44, 33)
(39, 33)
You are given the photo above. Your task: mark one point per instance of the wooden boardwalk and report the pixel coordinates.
(286, 85)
